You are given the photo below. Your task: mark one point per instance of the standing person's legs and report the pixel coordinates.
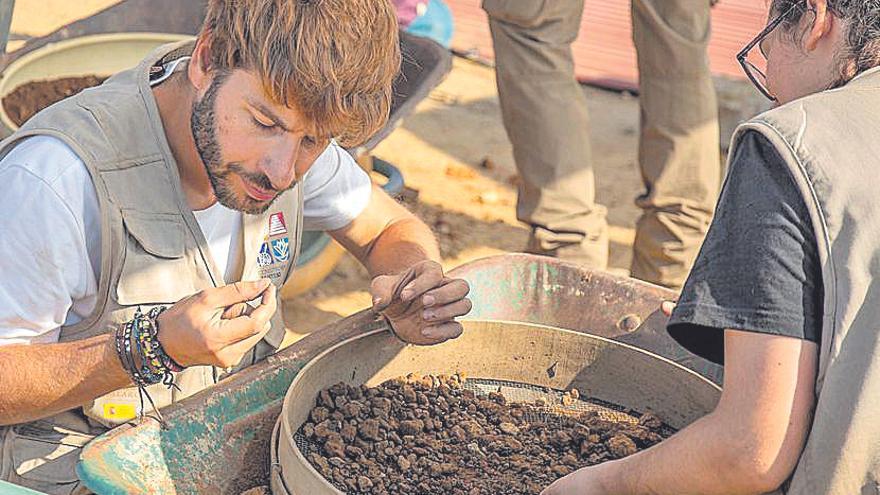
(545, 115)
(679, 152)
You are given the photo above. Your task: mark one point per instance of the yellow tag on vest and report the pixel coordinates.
(119, 412)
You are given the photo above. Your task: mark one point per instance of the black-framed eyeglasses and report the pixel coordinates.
(755, 74)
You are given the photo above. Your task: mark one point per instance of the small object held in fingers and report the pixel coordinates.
(251, 306)
(254, 303)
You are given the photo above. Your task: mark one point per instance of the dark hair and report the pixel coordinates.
(863, 31)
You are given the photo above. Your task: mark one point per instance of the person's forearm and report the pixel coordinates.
(702, 458)
(400, 246)
(753, 439)
(39, 380)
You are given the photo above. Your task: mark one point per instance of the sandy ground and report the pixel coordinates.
(440, 150)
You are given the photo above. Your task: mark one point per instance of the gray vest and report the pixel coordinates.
(152, 252)
(831, 143)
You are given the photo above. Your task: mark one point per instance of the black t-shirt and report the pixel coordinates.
(758, 269)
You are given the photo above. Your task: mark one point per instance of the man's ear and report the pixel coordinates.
(823, 22)
(200, 67)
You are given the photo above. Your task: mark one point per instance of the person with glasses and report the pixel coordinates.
(545, 115)
(786, 289)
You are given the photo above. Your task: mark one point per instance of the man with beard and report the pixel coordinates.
(142, 218)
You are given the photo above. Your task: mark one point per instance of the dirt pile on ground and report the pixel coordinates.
(431, 435)
(28, 99)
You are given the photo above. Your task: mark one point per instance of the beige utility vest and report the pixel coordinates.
(152, 253)
(831, 144)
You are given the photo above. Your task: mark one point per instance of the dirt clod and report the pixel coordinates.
(28, 99)
(508, 428)
(426, 434)
(364, 483)
(621, 445)
(258, 490)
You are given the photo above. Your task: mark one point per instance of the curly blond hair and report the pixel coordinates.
(333, 60)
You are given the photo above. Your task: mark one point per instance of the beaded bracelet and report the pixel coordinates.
(142, 355)
(146, 348)
(153, 327)
(128, 342)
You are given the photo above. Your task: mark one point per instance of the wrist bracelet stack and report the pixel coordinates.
(142, 355)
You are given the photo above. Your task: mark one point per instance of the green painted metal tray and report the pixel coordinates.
(217, 441)
(10, 489)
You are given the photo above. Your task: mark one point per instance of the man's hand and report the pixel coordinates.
(584, 481)
(214, 327)
(421, 303)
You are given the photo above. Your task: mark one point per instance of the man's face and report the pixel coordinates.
(252, 148)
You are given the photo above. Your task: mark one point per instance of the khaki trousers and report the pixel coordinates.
(545, 116)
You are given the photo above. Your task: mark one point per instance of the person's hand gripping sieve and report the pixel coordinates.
(216, 326)
(421, 303)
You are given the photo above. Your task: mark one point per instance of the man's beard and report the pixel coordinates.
(204, 130)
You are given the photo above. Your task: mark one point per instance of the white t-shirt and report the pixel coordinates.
(50, 231)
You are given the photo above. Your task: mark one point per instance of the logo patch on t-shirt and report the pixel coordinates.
(264, 258)
(276, 224)
(281, 249)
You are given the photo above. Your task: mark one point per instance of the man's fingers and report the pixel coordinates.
(269, 296)
(268, 305)
(428, 278)
(452, 290)
(382, 288)
(448, 311)
(237, 329)
(236, 310)
(246, 309)
(443, 331)
(241, 328)
(228, 295)
(233, 353)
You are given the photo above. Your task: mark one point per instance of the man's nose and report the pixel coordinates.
(279, 166)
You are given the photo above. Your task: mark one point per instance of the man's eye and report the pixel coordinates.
(310, 141)
(262, 125)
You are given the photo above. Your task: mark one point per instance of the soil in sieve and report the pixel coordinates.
(430, 435)
(28, 99)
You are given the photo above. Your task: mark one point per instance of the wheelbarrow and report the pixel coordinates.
(219, 441)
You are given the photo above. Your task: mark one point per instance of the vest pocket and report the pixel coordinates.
(159, 234)
(156, 268)
(42, 456)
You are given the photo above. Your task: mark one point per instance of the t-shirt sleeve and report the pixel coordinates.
(758, 269)
(336, 190)
(45, 268)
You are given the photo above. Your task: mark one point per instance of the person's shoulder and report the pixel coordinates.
(45, 158)
(336, 190)
(331, 158)
(333, 167)
(45, 165)
(754, 152)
